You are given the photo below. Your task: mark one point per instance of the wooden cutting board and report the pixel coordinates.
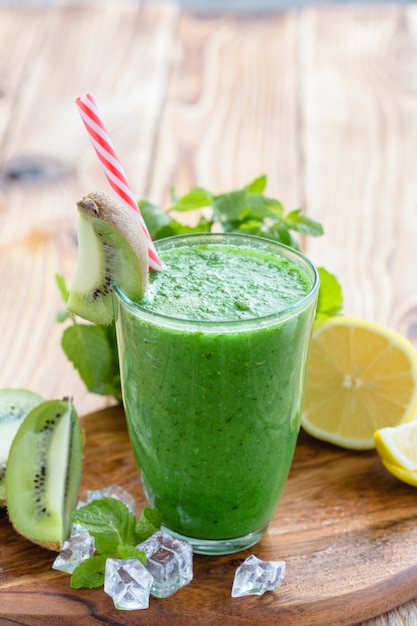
(346, 528)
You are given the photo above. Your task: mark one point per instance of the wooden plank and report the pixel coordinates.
(231, 108)
(359, 86)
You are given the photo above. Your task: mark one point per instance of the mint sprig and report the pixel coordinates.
(89, 573)
(116, 533)
(330, 300)
(93, 349)
(245, 210)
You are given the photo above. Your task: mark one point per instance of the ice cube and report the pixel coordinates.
(128, 582)
(169, 560)
(256, 577)
(78, 548)
(113, 491)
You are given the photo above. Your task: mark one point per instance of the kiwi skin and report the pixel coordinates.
(113, 251)
(44, 473)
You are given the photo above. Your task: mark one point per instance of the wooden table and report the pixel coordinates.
(322, 100)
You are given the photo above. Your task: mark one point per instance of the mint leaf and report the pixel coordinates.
(109, 521)
(263, 207)
(278, 232)
(303, 224)
(160, 224)
(89, 573)
(93, 352)
(229, 207)
(330, 300)
(62, 286)
(64, 314)
(116, 534)
(196, 198)
(258, 185)
(148, 523)
(156, 220)
(176, 228)
(126, 551)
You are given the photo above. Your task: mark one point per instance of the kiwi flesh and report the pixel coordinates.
(112, 250)
(15, 404)
(44, 473)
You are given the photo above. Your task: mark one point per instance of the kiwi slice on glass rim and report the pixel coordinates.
(44, 473)
(112, 250)
(15, 404)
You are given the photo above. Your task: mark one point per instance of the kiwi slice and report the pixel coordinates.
(112, 250)
(44, 472)
(15, 404)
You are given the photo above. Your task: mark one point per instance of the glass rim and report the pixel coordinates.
(137, 308)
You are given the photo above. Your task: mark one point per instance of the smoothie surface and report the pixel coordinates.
(224, 283)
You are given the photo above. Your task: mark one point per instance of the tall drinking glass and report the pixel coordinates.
(213, 369)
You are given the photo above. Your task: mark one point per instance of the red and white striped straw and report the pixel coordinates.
(111, 164)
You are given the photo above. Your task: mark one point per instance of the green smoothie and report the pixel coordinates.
(213, 365)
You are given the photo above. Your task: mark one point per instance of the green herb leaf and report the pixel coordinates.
(126, 551)
(64, 314)
(62, 286)
(196, 198)
(229, 207)
(258, 185)
(176, 228)
(155, 219)
(116, 534)
(263, 207)
(93, 352)
(160, 224)
(89, 573)
(148, 523)
(330, 300)
(109, 521)
(278, 232)
(303, 224)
